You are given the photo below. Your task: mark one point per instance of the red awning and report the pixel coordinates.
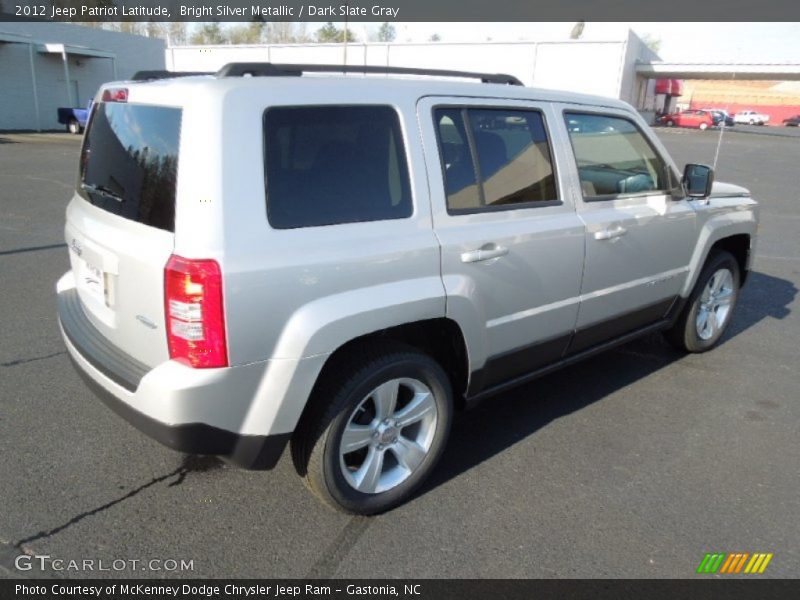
(673, 87)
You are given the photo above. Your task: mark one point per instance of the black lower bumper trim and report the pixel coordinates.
(247, 451)
(119, 367)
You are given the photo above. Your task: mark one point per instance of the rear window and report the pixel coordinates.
(327, 165)
(129, 162)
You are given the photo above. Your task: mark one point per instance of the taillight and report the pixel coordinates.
(194, 312)
(115, 95)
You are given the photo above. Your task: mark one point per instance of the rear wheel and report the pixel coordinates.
(378, 425)
(710, 306)
(703, 126)
(73, 126)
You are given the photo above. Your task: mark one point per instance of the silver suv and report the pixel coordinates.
(340, 262)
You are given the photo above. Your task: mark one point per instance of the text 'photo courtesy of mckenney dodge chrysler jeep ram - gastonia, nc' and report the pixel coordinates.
(265, 260)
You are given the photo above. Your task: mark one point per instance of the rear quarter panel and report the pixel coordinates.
(295, 293)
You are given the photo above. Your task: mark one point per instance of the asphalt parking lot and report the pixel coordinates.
(632, 464)
(776, 130)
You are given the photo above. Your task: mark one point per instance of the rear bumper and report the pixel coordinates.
(246, 451)
(190, 410)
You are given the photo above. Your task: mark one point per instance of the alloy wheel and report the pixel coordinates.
(715, 304)
(388, 435)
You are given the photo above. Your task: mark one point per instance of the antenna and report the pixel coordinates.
(722, 129)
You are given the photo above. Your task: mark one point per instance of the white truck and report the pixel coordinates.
(751, 117)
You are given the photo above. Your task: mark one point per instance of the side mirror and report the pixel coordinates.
(698, 179)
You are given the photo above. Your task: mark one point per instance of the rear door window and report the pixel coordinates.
(327, 165)
(461, 179)
(129, 162)
(495, 158)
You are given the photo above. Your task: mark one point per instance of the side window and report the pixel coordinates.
(614, 157)
(494, 158)
(461, 183)
(327, 165)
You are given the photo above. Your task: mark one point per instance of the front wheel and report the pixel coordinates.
(710, 306)
(382, 419)
(703, 126)
(670, 123)
(73, 126)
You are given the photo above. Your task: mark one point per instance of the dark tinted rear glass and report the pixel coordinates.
(513, 155)
(130, 162)
(514, 166)
(334, 164)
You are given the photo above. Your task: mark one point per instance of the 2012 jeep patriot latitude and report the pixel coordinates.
(339, 262)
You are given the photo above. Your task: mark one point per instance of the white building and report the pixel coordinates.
(47, 65)
(606, 67)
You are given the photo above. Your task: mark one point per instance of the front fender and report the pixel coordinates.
(720, 218)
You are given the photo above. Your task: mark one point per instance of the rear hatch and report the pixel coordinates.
(121, 222)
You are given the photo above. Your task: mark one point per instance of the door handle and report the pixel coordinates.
(486, 252)
(608, 234)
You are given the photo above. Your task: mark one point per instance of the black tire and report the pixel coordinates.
(74, 127)
(342, 391)
(684, 334)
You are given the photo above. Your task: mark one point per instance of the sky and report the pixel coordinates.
(680, 42)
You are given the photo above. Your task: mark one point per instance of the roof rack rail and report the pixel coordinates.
(265, 69)
(153, 75)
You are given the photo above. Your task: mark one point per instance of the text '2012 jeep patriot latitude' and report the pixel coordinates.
(340, 262)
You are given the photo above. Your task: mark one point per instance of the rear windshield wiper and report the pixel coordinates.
(102, 191)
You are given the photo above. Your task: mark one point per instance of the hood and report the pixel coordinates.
(722, 189)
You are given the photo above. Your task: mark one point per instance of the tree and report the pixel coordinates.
(651, 42)
(248, 33)
(286, 32)
(132, 27)
(330, 33)
(577, 30)
(176, 33)
(386, 33)
(208, 33)
(156, 30)
(173, 33)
